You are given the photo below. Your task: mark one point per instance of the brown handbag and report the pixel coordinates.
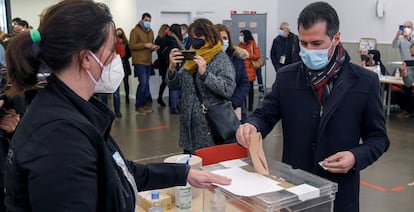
(256, 63)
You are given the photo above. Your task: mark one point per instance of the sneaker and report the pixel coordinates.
(118, 114)
(143, 111)
(404, 114)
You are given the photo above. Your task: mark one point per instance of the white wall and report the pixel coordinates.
(124, 11)
(357, 17)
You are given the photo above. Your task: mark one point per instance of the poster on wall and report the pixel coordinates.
(367, 44)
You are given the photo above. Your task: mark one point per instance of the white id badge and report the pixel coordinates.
(282, 59)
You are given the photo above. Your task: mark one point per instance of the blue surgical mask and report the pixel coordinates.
(281, 32)
(314, 59)
(147, 24)
(225, 45)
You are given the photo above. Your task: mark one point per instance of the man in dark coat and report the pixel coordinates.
(331, 109)
(285, 48)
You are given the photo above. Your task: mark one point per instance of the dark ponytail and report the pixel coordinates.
(22, 62)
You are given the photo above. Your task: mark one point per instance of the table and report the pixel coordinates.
(389, 80)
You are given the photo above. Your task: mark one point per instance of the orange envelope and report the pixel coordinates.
(257, 154)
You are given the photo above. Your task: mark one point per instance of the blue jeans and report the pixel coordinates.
(116, 98)
(174, 95)
(143, 73)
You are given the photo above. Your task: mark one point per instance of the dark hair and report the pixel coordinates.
(247, 35)
(176, 29)
(23, 23)
(123, 35)
(145, 15)
(184, 26)
(63, 38)
(319, 12)
(17, 19)
(204, 27)
(222, 27)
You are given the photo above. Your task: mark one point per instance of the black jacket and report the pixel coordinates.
(285, 46)
(61, 158)
(353, 112)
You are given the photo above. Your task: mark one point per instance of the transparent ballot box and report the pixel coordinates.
(285, 189)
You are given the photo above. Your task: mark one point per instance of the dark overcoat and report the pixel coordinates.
(351, 120)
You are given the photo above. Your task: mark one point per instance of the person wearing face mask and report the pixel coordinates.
(248, 43)
(403, 95)
(332, 114)
(62, 157)
(142, 44)
(285, 48)
(168, 39)
(237, 56)
(125, 61)
(403, 40)
(120, 50)
(212, 72)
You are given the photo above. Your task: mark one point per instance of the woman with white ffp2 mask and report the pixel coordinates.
(111, 76)
(67, 130)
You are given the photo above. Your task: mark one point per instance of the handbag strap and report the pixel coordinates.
(198, 94)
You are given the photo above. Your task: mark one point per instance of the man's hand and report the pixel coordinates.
(243, 134)
(149, 45)
(203, 179)
(340, 162)
(155, 47)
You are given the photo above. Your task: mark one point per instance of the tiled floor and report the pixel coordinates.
(384, 186)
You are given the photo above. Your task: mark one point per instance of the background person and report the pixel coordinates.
(247, 42)
(212, 72)
(341, 127)
(404, 96)
(62, 156)
(187, 41)
(237, 56)
(142, 44)
(125, 61)
(8, 123)
(162, 62)
(285, 48)
(168, 39)
(404, 39)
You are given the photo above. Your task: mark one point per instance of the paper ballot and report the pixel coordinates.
(257, 154)
(246, 183)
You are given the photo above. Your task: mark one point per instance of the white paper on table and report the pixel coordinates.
(305, 191)
(246, 183)
(233, 163)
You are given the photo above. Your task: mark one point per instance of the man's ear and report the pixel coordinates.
(336, 39)
(84, 59)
